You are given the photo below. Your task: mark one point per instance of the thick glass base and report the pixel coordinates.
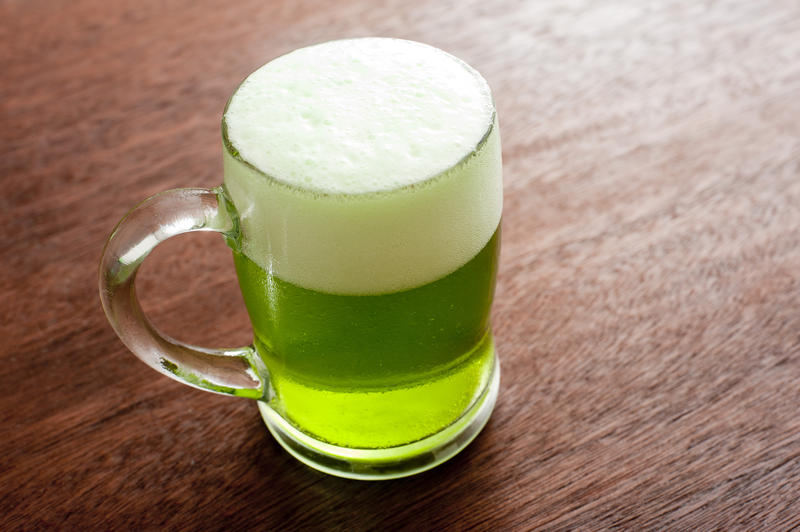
(393, 462)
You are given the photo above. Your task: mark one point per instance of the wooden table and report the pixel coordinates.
(648, 305)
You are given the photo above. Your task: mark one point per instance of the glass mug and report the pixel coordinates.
(361, 198)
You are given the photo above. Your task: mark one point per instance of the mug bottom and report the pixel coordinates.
(393, 462)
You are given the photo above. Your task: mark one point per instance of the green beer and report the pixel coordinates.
(362, 198)
(366, 183)
(375, 371)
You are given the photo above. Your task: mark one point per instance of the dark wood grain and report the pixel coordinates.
(648, 308)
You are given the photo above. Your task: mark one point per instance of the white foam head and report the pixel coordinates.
(363, 165)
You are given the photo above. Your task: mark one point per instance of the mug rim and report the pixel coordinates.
(428, 180)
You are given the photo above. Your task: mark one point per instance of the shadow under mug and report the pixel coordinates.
(362, 385)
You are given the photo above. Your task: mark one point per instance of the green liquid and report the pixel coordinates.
(375, 371)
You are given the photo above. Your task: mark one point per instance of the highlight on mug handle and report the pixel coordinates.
(237, 371)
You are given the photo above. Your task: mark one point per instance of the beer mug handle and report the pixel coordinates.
(237, 371)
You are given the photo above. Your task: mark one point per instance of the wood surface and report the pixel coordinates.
(648, 304)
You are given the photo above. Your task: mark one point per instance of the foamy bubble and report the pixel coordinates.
(383, 164)
(358, 116)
